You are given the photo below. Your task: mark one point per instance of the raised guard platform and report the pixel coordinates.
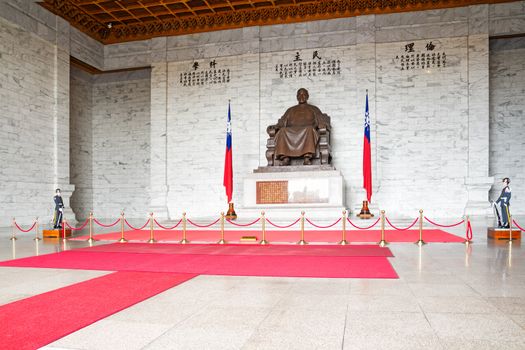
(503, 233)
(284, 191)
(56, 233)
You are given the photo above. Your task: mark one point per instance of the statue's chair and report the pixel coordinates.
(323, 149)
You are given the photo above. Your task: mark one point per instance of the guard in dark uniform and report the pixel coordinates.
(59, 209)
(504, 203)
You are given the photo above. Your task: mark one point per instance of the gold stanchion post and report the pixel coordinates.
(13, 234)
(90, 239)
(64, 230)
(122, 239)
(382, 242)
(302, 241)
(151, 222)
(343, 240)
(510, 225)
(263, 227)
(36, 230)
(420, 241)
(466, 218)
(184, 240)
(222, 241)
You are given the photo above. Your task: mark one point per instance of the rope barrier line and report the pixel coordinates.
(243, 225)
(105, 225)
(25, 231)
(167, 228)
(285, 226)
(402, 229)
(468, 234)
(319, 226)
(363, 228)
(134, 228)
(518, 226)
(439, 225)
(77, 228)
(203, 226)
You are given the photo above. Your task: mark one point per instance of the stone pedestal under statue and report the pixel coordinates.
(283, 192)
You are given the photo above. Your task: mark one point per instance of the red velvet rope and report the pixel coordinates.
(243, 225)
(318, 226)
(439, 225)
(203, 226)
(167, 228)
(468, 234)
(134, 228)
(286, 226)
(363, 228)
(25, 231)
(77, 228)
(516, 224)
(402, 229)
(104, 225)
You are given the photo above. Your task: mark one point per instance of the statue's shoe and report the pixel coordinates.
(307, 161)
(285, 161)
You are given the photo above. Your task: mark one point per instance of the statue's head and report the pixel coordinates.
(302, 95)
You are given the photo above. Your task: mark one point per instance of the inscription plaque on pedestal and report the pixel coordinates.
(272, 192)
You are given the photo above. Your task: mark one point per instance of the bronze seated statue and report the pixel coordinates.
(301, 136)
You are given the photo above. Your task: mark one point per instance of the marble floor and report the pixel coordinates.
(448, 296)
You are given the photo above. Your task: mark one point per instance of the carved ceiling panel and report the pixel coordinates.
(128, 20)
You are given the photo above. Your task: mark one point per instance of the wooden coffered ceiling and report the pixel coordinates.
(128, 20)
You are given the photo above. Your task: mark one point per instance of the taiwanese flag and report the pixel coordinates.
(367, 156)
(228, 166)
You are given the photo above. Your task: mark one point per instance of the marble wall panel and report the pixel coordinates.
(27, 121)
(121, 145)
(196, 129)
(507, 116)
(422, 143)
(81, 142)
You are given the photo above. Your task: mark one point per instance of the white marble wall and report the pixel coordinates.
(422, 141)
(196, 129)
(507, 118)
(81, 141)
(158, 145)
(27, 125)
(121, 144)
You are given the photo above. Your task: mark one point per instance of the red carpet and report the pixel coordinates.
(327, 265)
(243, 249)
(331, 236)
(37, 321)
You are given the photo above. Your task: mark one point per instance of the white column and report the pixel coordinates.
(61, 118)
(478, 182)
(159, 137)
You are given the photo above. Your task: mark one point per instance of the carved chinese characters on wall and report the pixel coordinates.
(205, 73)
(308, 64)
(420, 56)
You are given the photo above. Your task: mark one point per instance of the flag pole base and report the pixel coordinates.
(221, 241)
(420, 242)
(343, 242)
(264, 242)
(383, 243)
(184, 241)
(365, 212)
(230, 214)
(302, 242)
